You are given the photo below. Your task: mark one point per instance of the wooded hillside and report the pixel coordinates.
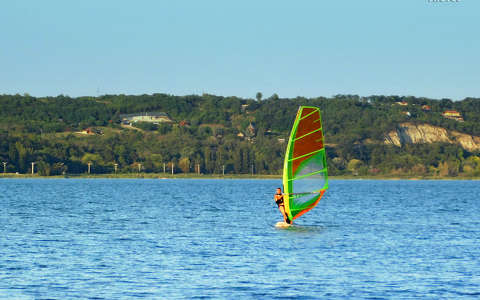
(213, 132)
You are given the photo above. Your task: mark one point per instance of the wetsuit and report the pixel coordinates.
(279, 201)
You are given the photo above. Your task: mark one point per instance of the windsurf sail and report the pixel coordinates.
(305, 177)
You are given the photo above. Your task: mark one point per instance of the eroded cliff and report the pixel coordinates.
(409, 133)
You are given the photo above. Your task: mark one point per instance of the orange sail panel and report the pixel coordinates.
(305, 169)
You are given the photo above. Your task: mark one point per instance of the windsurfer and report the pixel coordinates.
(278, 197)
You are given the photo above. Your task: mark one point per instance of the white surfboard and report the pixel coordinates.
(282, 225)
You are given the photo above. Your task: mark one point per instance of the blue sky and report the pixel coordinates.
(292, 48)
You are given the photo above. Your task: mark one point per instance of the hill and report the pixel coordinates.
(375, 135)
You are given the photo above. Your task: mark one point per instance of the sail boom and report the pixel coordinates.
(309, 193)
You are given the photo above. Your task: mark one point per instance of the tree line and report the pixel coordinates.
(230, 134)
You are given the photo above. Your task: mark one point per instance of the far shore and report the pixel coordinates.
(227, 176)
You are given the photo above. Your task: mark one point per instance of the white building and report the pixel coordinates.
(150, 117)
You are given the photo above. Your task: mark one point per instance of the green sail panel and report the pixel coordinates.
(305, 176)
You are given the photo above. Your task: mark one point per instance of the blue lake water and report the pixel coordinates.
(127, 238)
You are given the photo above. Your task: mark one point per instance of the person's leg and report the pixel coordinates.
(282, 210)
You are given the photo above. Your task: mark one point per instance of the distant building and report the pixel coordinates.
(244, 107)
(426, 108)
(183, 123)
(251, 131)
(240, 135)
(453, 115)
(407, 113)
(402, 103)
(91, 131)
(150, 117)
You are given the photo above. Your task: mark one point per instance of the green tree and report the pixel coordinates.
(184, 164)
(354, 165)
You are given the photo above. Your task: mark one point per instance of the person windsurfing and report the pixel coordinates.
(278, 197)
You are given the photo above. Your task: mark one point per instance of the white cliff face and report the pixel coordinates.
(468, 142)
(408, 133)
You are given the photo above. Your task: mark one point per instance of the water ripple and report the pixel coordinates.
(203, 239)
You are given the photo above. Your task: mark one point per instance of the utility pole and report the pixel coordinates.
(139, 167)
(4, 167)
(173, 167)
(164, 168)
(198, 169)
(89, 164)
(33, 168)
(116, 166)
(252, 169)
(223, 170)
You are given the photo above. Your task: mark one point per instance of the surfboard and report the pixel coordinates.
(282, 225)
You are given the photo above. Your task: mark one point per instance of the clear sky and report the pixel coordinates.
(292, 48)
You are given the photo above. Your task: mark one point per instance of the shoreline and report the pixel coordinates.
(217, 176)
